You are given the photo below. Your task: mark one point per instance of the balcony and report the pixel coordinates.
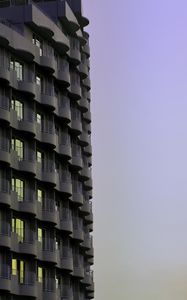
(63, 111)
(78, 233)
(26, 288)
(85, 173)
(65, 146)
(5, 235)
(86, 83)
(46, 250)
(5, 150)
(5, 73)
(46, 172)
(74, 51)
(88, 185)
(66, 259)
(46, 136)
(78, 269)
(63, 75)
(27, 124)
(88, 150)
(5, 278)
(86, 50)
(66, 223)
(25, 204)
(25, 244)
(27, 164)
(49, 101)
(5, 197)
(76, 161)
(88, 277)
(83, 70)
(83, 104)
(85, 208)
(77, 196)
(63, 182)
(75, 89)
(48, 63)
(87, 116)
(46, 211)
(84, 139)
(5, 109)
(87, 243)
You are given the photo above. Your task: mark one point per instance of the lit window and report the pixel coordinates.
(39, 157)
(14, 266)
(40, 195)
(18, 227)
(38, 80)
(57, 280)
(22, 271)
(18, 146)
(40, 274)
(18, 187)
(40, 235)
(18, 107)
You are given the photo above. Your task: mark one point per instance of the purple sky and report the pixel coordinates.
(139, 136)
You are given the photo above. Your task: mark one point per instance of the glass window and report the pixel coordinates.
(40, 195)
(14, 266)
(18, 146)
(39, 234)
(18, 67)
(38, 42)
(40, 274)
(39, 157)
(39, 118)
(22, 271)
(18, 227)
(18, 107)
(18, 187)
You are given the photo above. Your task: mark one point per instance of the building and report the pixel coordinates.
(46, 220)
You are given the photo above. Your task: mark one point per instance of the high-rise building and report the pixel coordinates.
(46, 220)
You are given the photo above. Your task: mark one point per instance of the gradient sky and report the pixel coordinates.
(139, 136)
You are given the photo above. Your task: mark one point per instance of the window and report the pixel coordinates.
(39, 120)
(22, 271)
(40, 274)
(57, 280)
(38, 42)
(18, 107)
(39, 157)
(18, 146)
(17, 67)
(40, 195)
(18, 187)
(14, 266)
(39, 234)
(38, 80)
(18, 227)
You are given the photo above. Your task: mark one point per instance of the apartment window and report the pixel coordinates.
(39, 157)
(14, 266)
(39, 118)
(17, 67)
(57, 243)
(38, 42)
(40, 235)
(40, 195)
(21, 271)
(57, 281)
(18, 187)
(17, 105)
(40, 274)
(18, 227)
(38, 80)
(18, 146)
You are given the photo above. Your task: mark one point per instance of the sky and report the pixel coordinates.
(139, 137)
